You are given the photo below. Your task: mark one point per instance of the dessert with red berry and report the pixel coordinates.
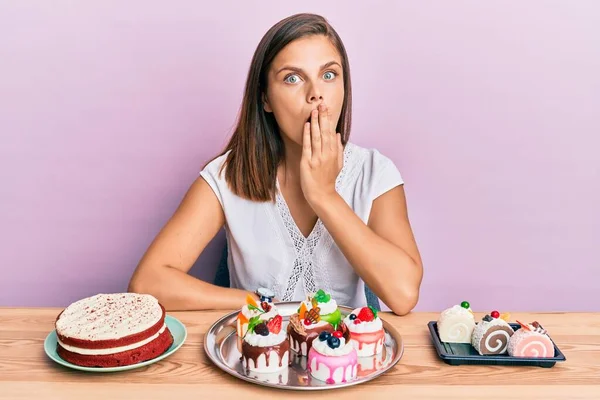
(366, 331)
(492, 334)
(265, 310)
(316, 314)
(265, 347)
(331, 358)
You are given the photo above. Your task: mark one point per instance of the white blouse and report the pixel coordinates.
(267, 249)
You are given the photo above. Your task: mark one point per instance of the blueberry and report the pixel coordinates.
(352, 317)
(323, 336)
(333, 342)
(261, 329)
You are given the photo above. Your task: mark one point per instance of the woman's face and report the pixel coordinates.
(304, 74)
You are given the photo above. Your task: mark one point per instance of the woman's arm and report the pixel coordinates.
(162, 272)
(383, 252)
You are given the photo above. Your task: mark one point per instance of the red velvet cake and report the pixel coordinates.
(111, 330)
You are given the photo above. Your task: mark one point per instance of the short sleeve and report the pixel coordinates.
(385, 175)
(215, 178)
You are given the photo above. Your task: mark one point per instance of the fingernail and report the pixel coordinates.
(315, 112)
(322, 107)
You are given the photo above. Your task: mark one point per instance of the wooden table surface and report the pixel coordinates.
(27, 373)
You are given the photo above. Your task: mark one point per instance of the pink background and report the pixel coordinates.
(108, 109)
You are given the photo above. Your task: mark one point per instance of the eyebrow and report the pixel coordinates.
(296, 69)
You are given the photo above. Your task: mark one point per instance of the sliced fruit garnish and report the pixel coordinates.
(242, 318)
(274, 324)
(251, 301)
(302, 311)
(366, 314)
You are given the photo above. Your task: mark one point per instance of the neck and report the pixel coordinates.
(289, 170)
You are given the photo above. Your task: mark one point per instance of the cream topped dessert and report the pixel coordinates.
(265, 347)
(332, 359)
(367, 335)
(115, 329)
(264, 310)
(311, 319)
(456, 324)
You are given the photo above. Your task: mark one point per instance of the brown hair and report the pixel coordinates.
(256, 144)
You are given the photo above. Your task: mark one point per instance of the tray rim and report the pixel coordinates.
(223, 366)
(494, 359)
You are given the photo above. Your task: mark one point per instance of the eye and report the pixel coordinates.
(329, 75)
(292, 79)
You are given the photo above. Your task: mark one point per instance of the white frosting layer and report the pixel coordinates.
(363, 326)
(324, 308)
(323, 348)
(112, 350)
(457, 310)
(261, 362)
(109, 316)
(263, 341)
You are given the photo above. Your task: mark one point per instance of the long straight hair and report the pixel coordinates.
(256, 147)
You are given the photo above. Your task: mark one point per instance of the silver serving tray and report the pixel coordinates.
(221, 345)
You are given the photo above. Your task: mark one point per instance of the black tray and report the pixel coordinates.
(465, 354)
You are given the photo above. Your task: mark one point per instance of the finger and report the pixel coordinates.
(340, 148)
(328, 142)
(306, 145)
(315, 133)
(332, 130)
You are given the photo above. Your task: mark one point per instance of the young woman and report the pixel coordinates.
(303, 208)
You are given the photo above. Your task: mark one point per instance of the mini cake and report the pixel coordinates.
(366, 331)
(491, 335)
(531, 340)
(265, 347)
(265, 310)
(316, 314)
(332, 358)
(456, 324)
(111, 330)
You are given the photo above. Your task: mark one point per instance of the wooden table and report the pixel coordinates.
(27, 373)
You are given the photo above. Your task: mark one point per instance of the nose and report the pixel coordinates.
(315, 94)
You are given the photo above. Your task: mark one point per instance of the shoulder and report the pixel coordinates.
(214, 167)
(377, 172)
(214, 174)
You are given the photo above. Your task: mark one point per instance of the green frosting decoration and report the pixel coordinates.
(334, 318)
(322, 297)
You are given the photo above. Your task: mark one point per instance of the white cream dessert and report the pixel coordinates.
(456, 324)
(264, 310)
(319, 312)
(367, 335)
(332, 359)
(265, 347)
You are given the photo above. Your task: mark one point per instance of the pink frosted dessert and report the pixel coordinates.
(331, 358)
(530, 341)
(366, 331)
